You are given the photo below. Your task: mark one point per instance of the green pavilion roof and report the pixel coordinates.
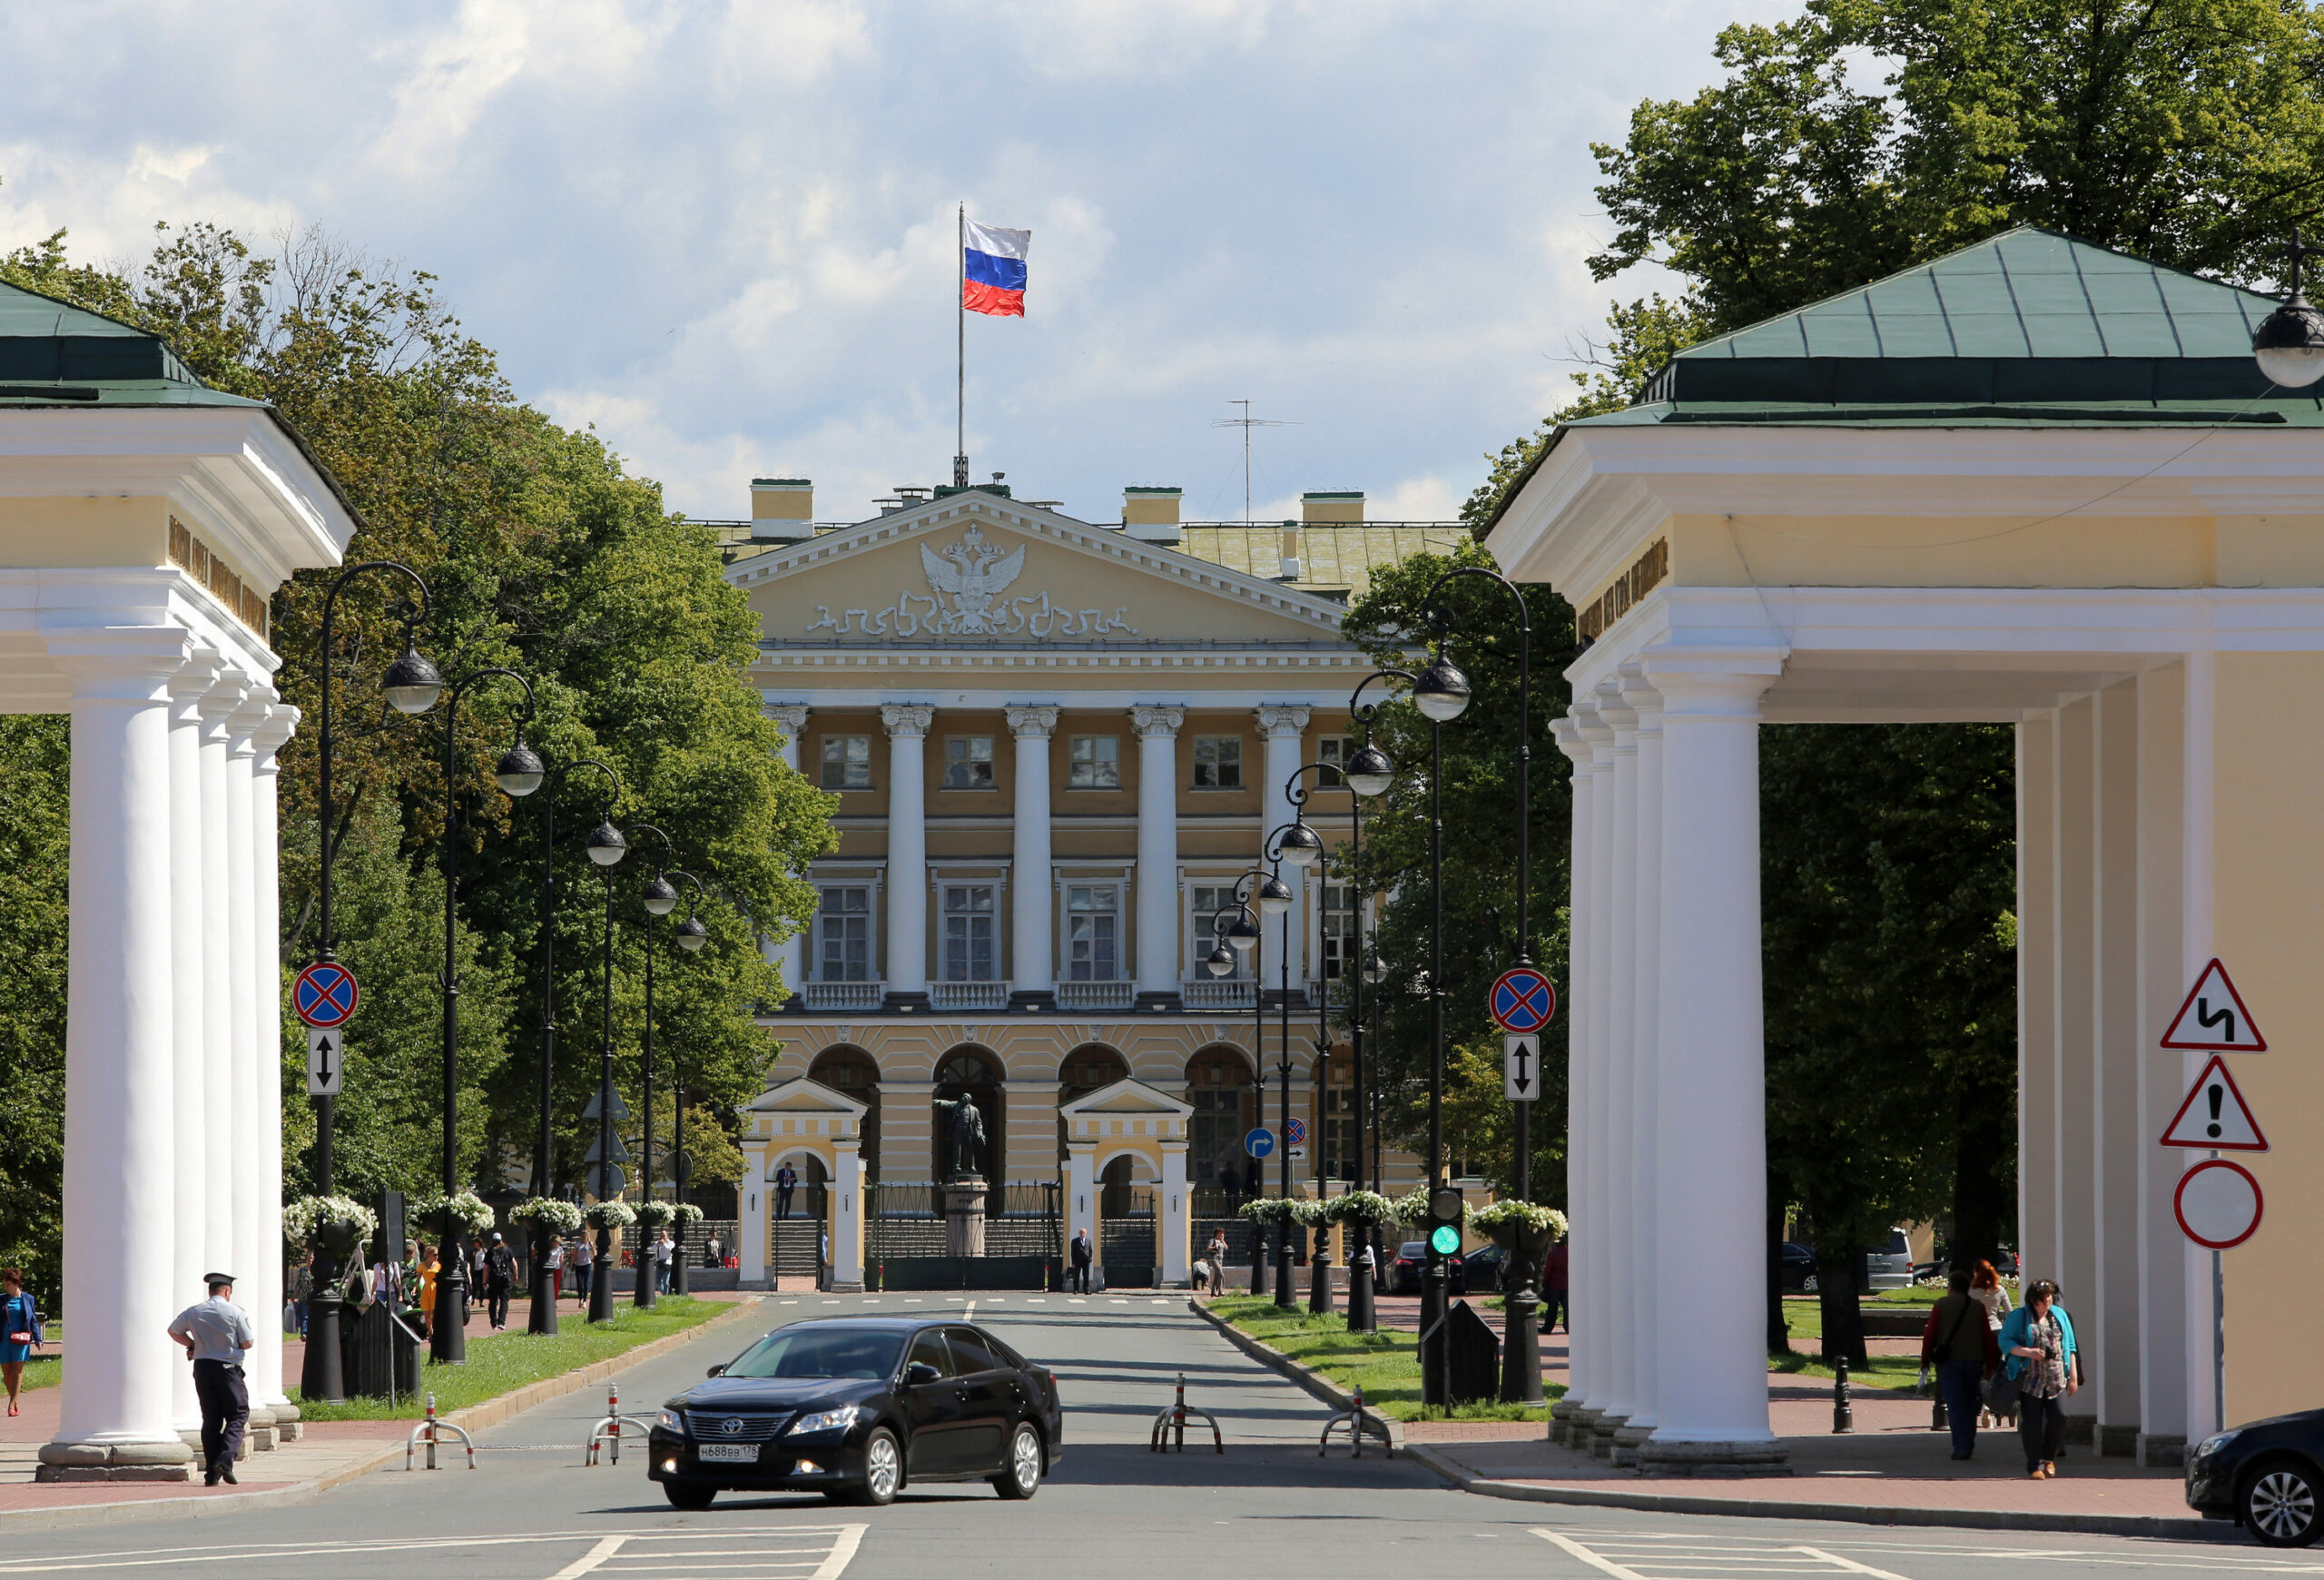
(53, 353)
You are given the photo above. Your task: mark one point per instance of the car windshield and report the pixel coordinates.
(812, 1352)
(1411, 1250)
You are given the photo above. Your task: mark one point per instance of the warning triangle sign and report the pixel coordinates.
(2213, 1019)
(2215, 1117)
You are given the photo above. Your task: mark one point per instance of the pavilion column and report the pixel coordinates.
(1177, 1254)
(250, 1113)
(1619, 977)
(188, 1066)
(121, 1090)
(1648, 1230)
(1283, 728)
(847, 1217)
(218, 1089)
(1080, 1194)
(754, 1229)
(1581, 1145)
(1711, 1088)
(267, 1270)
(1157, 855)
(789, 954)
(1596, 993)
(1032, 907)
(907, 725)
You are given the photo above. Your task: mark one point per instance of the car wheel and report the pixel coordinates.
(2278, 1504)
(688, 1494)
(1807, 1285)
(883, 1468)
(1021, 1476)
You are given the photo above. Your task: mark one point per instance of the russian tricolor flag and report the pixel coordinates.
(992, 270)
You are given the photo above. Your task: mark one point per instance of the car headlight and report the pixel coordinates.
(837, 1420)
(2212, 1444)
(674, 1421)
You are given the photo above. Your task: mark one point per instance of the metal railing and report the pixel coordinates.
(969, 995)
(842, 996)
(1095, 995)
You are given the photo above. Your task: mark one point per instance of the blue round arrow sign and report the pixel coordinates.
(1259, 1142)
(325, 994)
(1522, 1000)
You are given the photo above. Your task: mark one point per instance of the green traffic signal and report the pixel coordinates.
(1445, 1240)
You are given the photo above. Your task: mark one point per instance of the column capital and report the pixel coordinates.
(1277, 720)
(244, 723)
(118, 663)
(221, 701)
(1157, 722)
(1642, 697)
(1594, 731)
(790, 715)
(1711, 683)
(196, 675)
(281, 724)
(1568, 732)
(1032, 721)
(1618, 713)
(908, 719)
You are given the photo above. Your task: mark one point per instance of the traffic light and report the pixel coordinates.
(1445, 1217)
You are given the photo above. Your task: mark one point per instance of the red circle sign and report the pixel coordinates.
(2219, 1204)
(325, 994)
(1521, 1000)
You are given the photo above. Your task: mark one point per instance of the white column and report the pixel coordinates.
(1621, 976)
(789, 954)
(1284, 726)
(266, 846)
(1033, 906)
(1581, 1145)
(188, 1060)
(1176, 1218)
(907, 725)
(847, 1232)
(1157, 855)
(1648, 1228)
(119, 1081)
(752, 1210)
(2162, 1270)
(2197, 901)
(247, 1117)
(1711, 1090)
(218, 706)
(1597, 1300)
(1080, 1191)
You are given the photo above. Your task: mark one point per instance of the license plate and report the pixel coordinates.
(743, 1453)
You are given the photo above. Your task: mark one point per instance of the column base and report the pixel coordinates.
(1033, 1001)
(1578, 1423)
(160, 1459)
(905, 1003)
(287, 1425)
(1628, 1439)
(2163, 1450)
(1561, 1416)
(2118, 1442)
(1600, 1442)
(258, 1432)
(1767, 1458)
(1159, 1004)
(2082, 1431)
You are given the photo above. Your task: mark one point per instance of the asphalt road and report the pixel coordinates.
(1267, 1506)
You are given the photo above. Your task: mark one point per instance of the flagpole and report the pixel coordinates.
(960, 386)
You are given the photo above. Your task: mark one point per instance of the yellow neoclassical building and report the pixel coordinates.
(1057, 746)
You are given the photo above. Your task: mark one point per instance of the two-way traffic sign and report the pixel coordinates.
(325, 1068)
(1522, 1066)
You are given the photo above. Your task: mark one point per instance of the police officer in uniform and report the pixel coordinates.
(215, 1334)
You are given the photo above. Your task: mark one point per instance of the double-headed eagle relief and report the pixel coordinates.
(973, 574)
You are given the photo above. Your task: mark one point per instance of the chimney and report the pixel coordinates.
(1151, 515)
(1290, 570)
(1329, 507)
(782, 509)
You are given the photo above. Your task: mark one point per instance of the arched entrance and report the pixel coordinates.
(852, 1072)
(974, 1073)
(1084, 1071)
(1226, 1104)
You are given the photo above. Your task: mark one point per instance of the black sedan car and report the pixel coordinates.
(856, 1408)
(1409, 1272)
(2268, 1478)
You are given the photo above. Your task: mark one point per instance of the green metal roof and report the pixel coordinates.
(53, 353)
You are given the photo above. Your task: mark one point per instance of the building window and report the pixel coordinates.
(1332, 751)
(967, 763)
(1343, 1134)
(1218, 762)
(1097, 762)
(1206, 900)
(847, 762)
(843, 933)
(1339, 929)
(968, 933)
(1092, 932)
(1218, 1087)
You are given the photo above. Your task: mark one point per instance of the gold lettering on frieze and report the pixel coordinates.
(193, 555)
(1650, 570)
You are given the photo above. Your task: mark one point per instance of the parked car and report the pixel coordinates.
(857, 1409)
(1409, 1269)
(1798, 1268)
(2267, 1476)
(1889, 1267)
(1484, 1270)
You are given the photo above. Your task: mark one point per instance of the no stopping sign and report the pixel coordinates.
(2219, 1204)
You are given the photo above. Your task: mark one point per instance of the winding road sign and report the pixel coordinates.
(325, 994)
(1523, 1001)
(2213, 1019)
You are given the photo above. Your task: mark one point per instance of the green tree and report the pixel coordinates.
(36, 850)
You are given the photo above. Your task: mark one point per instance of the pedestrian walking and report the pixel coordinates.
(499, 1273)
(302, 1288)
(1985, 1287)
(1554, 1275)
(2038, 1341)
(557, 1270)
(20, 1331)
(666, 1253)
(1214, 1255)
(585, 1270)
(429, 1266)
(1958, 1345)
(786, 1179)
(713, 1251)
(1083, 1255)
(216, 1333)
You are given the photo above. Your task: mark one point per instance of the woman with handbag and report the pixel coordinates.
(2041, 1370)
(1959, 1348)
(20, 1331)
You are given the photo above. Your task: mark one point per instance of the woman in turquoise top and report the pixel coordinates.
(2039, 1356)
(20, 1331)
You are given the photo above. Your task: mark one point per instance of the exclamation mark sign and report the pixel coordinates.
(2217, 1095)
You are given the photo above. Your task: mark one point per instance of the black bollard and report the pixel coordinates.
(1360, 1318)
(1843, 1411)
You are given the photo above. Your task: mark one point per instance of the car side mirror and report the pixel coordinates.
(920, 1372)
(718, 1370)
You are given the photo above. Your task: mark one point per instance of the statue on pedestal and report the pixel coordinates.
(967, 1128)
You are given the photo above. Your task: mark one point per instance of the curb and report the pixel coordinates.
(1307, 1377)
(2088, 1525)
(475, 1417)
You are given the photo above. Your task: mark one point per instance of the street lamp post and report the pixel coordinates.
(1241, 937)
(662, 898)
(543, 1316)
(519, 773)
(607, 846)
(1276, 900)
(411, 686)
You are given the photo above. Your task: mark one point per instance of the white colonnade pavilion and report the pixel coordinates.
(2033, 483)
(145, 520)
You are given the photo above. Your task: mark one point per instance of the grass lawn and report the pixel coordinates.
(1385, 1364)
(500, 1363)
(43, 1370)
(1884, 1371)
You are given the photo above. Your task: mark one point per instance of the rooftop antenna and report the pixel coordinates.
(1247, 423)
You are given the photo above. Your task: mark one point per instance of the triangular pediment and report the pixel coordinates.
(799, 1095)
(1124, 1097)
(976, 570)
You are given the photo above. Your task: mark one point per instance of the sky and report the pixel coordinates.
(724, 234)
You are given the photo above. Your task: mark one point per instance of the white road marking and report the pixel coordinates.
(1036, 1299)
(845, 1539)
(1692, 1558)
(792, 1302)
(590, 1559)
(969, 1314)
(843, 1553)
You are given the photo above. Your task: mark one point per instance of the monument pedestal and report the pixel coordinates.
(964, 1217)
